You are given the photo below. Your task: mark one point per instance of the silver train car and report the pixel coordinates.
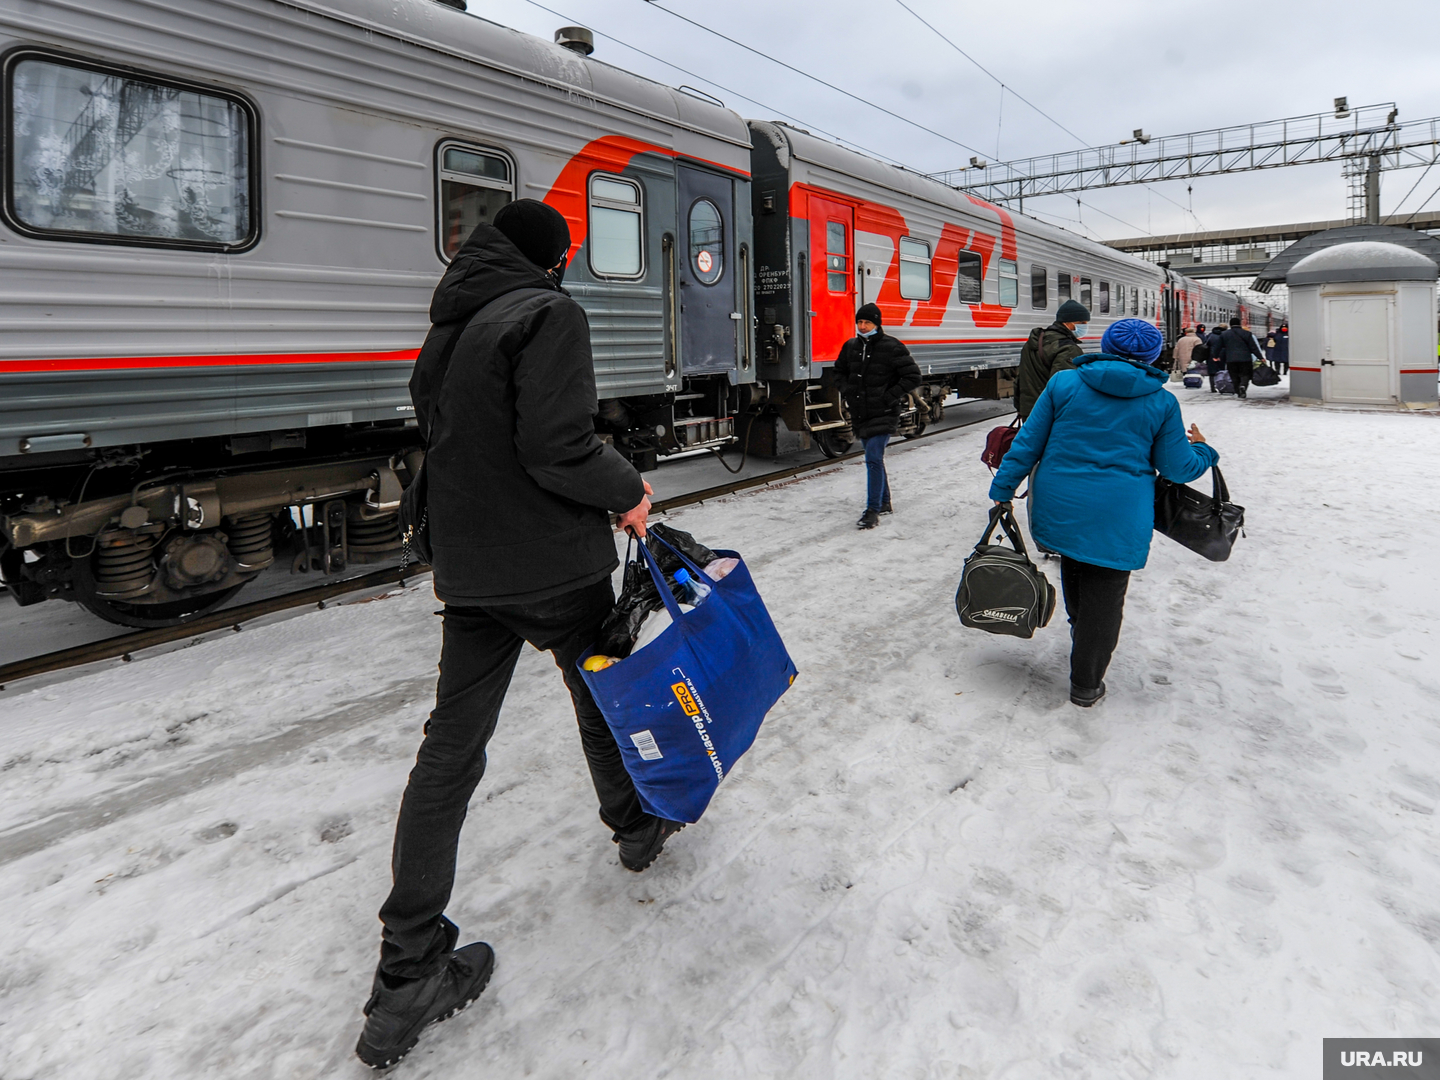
(221, 222)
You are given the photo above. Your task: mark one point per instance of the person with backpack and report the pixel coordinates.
(1049, 350)
(519, 496)
(875, 373)
(1240, 350)
(1094, 441)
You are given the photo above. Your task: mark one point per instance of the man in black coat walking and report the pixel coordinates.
(519, 495)
(875, 372)
(1214, 357)
(1241, 350)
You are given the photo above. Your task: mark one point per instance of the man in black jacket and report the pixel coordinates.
(1058, 346)
(519, 493)
(1214, 357)
(874, 372)
(1241, 350)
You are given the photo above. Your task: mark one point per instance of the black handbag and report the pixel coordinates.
(1206, 524)
(414, 501)
(1001, 591)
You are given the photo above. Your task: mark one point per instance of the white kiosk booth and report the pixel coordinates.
(1362, 326)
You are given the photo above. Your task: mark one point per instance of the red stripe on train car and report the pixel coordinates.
(126, 363)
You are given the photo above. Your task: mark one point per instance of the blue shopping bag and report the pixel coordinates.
(686, 706)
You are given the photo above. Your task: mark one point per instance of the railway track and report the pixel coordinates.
(124, 646)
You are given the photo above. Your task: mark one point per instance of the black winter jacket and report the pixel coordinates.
(519, 484)
(1240, 346)
(874, 375)
(1215, 363)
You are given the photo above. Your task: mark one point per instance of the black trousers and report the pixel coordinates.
(1095, 603)
(1240, 376)
(477, 658)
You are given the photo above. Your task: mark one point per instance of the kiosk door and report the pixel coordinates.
(832, 278)
(1355, 364)
(708, 311)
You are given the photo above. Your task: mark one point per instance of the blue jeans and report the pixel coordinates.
(877, 487)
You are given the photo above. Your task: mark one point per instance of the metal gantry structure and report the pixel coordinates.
(1367, 139)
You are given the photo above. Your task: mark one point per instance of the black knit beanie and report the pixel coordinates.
(870, 312)
(537, 229)
(1072, 311)
(1235, 321)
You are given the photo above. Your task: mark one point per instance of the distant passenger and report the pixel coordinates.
(1185, 349)
(1059, 345)
(1280, 351)
(519, 495)
(1094, 442)
(875, 372)
(1241, 350)
(1214, 357)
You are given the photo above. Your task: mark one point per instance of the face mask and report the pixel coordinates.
(868, 334)
(1080, 328)
(557, 275)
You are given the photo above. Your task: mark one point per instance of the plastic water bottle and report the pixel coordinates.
(695, 591)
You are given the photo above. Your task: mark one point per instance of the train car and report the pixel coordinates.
(961, 281)
(1188, 302)
(222, 223)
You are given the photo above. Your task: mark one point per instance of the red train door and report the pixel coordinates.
(832, 278)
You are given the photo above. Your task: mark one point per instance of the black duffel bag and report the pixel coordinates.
(1265, 375)
(1206, 524)
(1001, 590)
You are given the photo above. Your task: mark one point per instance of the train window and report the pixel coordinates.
(1104, 298)
(969, 272)
(1062, 285)
(837, 256)
(1086, 292)
(1039, 287)
(114, 157)
(1009, 283)
(474, 185)
(707, 241)
(616, 227)
(914, 269)
(1135, 301)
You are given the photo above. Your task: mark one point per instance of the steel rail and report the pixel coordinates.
(124, 645)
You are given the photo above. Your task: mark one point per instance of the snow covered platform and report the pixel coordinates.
(931, 865)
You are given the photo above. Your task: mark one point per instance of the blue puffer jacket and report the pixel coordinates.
(1099, 433)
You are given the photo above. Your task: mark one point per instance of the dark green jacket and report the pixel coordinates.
(1058, 350)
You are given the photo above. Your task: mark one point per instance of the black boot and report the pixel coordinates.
(885, 507)
(396, 1014)
(1084, 697)
(868, 520)
(640, 846)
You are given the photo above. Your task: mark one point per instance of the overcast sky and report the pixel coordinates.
(1099, 69)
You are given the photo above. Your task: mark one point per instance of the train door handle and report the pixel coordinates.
(736, 316)
(1327, 363)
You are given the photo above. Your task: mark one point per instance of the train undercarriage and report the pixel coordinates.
(154, 536)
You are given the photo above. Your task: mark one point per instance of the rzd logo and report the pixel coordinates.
(682, 695)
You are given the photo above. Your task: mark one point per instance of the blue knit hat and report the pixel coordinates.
(1134, 339)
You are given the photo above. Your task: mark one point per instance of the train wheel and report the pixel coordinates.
(920, 425)
(149, 616)
(831, 444)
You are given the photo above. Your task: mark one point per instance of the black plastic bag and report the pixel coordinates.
(638, 595)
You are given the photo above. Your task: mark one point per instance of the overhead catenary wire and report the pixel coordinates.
(719, 86)
(1003, 85)
(813, 78)
(1396, 212)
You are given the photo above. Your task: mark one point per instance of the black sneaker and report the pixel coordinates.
(1079, 695)
(394, 1018)
(640, 846)
(886, 508)
(868, 520)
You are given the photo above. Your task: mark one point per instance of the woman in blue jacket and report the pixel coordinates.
(1095, 439)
